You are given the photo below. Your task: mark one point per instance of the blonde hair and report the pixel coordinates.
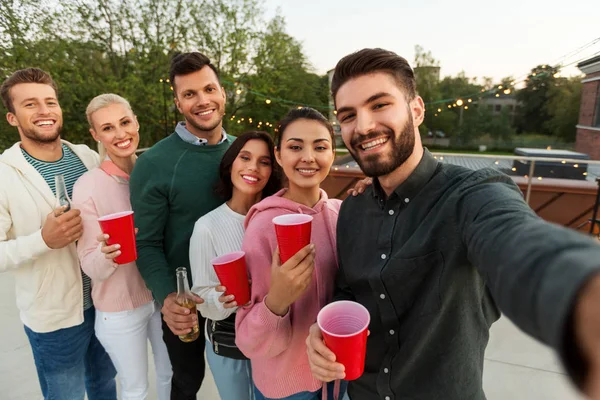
(98, 103)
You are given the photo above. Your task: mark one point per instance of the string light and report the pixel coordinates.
(239, 91)
(459, 102)
(268, 101)
(466, 107)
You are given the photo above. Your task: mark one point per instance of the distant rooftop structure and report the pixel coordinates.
(588, 127)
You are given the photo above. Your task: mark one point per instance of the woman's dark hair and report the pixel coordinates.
(302, 113)
(224, 187)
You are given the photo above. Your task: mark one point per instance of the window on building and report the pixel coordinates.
(597, 114)
(498, 108)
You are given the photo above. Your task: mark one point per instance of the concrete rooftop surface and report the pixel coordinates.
(516, 366)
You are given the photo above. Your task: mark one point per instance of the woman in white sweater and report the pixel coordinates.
(248, 172)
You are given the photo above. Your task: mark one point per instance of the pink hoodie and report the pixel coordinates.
(276, 345)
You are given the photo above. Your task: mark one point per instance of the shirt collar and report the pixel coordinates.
(408, 189)
(111, 169)
(189, 137)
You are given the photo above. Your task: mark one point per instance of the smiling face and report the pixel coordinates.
(201, 100)
(378, 122)
(116, 128)
(251, 169)
(306, 153)
(37, 115)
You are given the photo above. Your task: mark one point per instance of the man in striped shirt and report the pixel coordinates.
(37, 242)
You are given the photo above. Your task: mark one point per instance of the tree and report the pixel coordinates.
(533, 97)
(562, 105)
(125, 47)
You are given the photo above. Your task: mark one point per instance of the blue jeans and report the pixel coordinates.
(71, 361)
(232, 377)
(310, 395)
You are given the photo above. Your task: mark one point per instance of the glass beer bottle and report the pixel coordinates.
(62, 197)
(185, 299)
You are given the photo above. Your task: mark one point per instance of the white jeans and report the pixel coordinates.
(125, 336)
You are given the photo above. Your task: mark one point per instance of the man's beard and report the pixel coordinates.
(402, 145)
(205, 128)
(34, 136)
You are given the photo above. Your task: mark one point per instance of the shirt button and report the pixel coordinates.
(382, 296)
(392, 332)
(386, 370)
(406, 200)
(387, 398)
(391, 212)
(383, 256)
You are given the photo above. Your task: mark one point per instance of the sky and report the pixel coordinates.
(480, 37)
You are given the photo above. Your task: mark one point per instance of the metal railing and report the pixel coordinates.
(533, 160)
(529, 176)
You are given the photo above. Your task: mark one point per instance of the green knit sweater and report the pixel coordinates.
(171, 187)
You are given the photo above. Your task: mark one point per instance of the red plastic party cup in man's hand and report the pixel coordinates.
(293, 234)
(119, 227)
(232, 273)
(344, 326)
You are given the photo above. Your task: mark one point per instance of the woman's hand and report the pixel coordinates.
(290, 280)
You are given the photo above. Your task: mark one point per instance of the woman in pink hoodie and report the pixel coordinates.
(285, 299)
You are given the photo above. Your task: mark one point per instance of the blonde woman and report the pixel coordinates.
(126, 316)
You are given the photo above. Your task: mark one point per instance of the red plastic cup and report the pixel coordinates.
(344, 326)
(232, 273)
(120, 229)
(293, 234)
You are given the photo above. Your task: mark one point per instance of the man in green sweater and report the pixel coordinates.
(171, 188)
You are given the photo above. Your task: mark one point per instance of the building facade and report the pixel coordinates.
(588, 127)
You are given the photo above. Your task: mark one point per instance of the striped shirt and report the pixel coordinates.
(71, 167)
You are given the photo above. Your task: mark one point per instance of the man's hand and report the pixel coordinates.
(63, 229)
(360, 187)
(321, 359)
(179, 319)
(587, 333)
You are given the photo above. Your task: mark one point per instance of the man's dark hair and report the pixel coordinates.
(27, 75)
(224, 187)
(367, 61)
(302, 113)
(186, 63)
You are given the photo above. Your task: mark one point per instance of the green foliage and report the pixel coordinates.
(533, 98)
(125, 46)
(563, 102)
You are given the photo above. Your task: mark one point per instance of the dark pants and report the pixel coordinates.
(342, 395)
(187, 360)
(71, 361)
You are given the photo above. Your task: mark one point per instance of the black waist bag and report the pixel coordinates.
(222, 336)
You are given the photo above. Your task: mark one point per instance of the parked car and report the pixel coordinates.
(438, 134)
